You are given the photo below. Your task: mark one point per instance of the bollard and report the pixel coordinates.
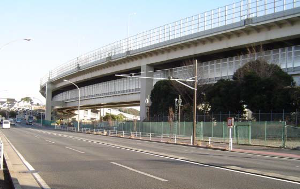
(135, 134)
(140, 135)
(192, 140)
(175, 138)
(123, 133)
(209, 138)
(150, 136)
(116, 132)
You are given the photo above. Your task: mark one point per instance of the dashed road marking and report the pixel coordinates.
(75, 150)
(140, 172)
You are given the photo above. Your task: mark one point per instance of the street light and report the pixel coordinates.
(178, 104)
(78, 101)
(26, 39)
(147, 102)
(128, 23)
(40, 112)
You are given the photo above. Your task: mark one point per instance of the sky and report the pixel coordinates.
(63, 29)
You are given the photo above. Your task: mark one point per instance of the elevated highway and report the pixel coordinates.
(218, 39)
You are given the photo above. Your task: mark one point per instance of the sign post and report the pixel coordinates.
(230, 124)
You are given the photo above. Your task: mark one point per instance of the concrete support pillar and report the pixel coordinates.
(48, 101)
(146, 88)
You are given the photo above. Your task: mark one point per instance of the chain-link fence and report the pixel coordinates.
(264, 133)
(292, 118)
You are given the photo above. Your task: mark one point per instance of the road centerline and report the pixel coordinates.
(140, 172)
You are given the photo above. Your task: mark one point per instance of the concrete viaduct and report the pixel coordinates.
(218, 39)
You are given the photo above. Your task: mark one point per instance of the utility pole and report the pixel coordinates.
(195, 104)
(179, 104)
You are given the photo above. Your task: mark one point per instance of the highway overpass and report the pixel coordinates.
(219, 39)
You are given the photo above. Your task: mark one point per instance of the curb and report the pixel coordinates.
(20, 175)
(13, 179)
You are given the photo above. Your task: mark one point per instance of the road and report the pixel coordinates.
(76, 160)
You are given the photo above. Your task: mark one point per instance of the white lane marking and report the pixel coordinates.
(199, 164)
(38, 178)
(140, 172)
(50, 141)
(41, 181)
(75, 150)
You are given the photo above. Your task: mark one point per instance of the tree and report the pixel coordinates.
(12, 114)
(3, 113)
(27, 99)
(119, 117)
(162, 97)
(224, 96)
(264, 87)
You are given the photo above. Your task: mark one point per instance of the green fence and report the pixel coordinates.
(45, 122)
(276, 134)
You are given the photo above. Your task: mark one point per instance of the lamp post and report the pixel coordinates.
(26, 39)
(128, 23)
(78, 102)
(147, 102)
(179, 104)
(40, 112)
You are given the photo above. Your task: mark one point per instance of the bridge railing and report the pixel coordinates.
(198, 23)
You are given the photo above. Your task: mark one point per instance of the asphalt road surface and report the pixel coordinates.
(76, 160)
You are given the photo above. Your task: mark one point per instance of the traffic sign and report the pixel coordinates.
(230, 122)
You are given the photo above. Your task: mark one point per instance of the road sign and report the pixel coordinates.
(230, 122)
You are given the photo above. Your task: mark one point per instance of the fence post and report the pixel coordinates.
(284, 134)
(223, 131)
(296, 117)
(150, 128)
(250, 125)
(184, 128)
(212, 129)
(265, 132)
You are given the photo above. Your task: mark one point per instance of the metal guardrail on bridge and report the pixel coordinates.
(198, 23)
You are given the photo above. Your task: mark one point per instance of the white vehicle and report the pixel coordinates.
(5, 124)
(12, 121)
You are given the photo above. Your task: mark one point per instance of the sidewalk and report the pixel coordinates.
(5, 182)
(19, 174)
